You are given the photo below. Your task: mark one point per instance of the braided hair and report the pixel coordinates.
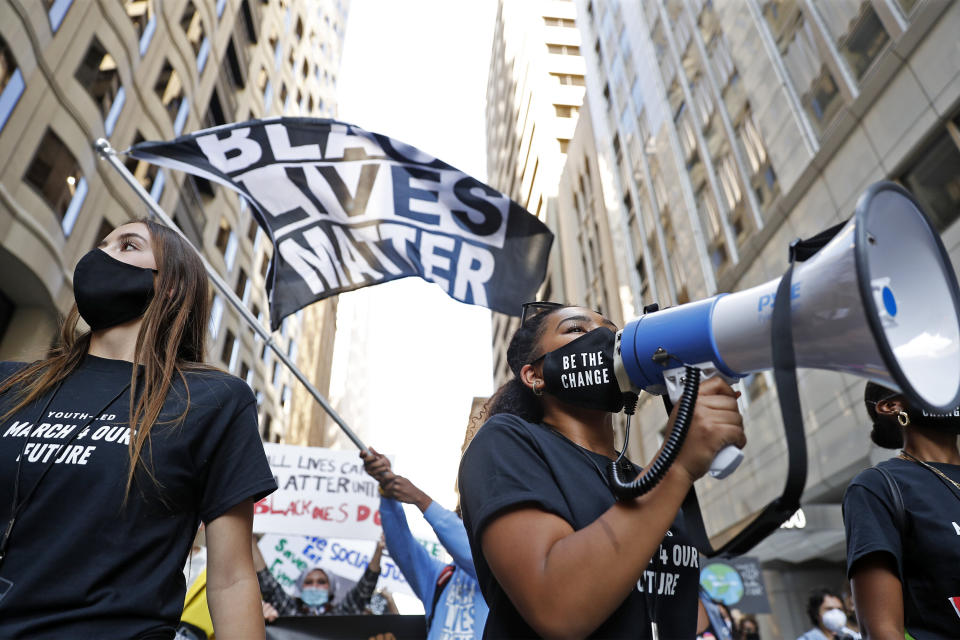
(514, 396)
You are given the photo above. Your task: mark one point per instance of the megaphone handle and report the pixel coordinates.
(730, 457)
(726, 462)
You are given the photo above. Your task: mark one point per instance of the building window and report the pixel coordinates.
(144, 172)
(11, 82)
(215, 115)
(57, 178)
(216, 315)
(568, 78)
(229, 347)
(227, 243)
(856, 30)
(264, 265)
(563, 49)
(243, 289)
(237, 72)
(565, 110)
(98, 74)
(564, 144)
(144, 21)
(56, 12)
(763, 178)
(810, 76)
(907, 6)
(192, 26)
(934, 179)
(559, 22)
(169, 89)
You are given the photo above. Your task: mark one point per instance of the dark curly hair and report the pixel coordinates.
(815, 599)
(886, 431)
(514, 396)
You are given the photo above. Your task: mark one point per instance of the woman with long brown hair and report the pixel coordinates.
(556, 554)
(98, 517)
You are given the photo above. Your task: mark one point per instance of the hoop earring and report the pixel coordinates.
(903, 418)
(537, 390)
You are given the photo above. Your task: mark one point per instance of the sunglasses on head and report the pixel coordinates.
(533, 309)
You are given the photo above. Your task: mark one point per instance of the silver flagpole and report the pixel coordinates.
(110, 155)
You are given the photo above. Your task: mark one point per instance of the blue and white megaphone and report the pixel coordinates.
(880, 301)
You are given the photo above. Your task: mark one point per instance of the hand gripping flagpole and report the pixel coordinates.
(109, 154)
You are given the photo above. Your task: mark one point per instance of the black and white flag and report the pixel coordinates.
(346, 208)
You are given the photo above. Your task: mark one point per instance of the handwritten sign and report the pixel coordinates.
(321, 492)
(288, 556)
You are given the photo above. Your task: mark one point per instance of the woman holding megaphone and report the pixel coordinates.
(556, 554)
(902, 519)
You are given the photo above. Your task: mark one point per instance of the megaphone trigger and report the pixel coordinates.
(730, 457)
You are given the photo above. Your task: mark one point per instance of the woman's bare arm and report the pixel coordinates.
(232, 590)
(565, 583)
(878, 597)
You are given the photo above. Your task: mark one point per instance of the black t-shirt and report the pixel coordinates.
(83, 564)
(512, 462)
(927, 555)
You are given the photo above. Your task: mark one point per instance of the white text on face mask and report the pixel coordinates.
(585, 378)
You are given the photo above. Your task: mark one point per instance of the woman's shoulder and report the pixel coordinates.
(218, 385)
(876, 480)
(9, 367)
(505, 426)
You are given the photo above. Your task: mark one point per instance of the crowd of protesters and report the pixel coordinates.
(544, 547)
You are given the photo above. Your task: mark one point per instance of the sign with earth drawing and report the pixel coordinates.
(737, 583)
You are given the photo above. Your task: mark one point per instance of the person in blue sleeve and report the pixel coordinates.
(452, 602)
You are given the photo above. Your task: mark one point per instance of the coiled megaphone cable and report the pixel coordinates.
(651, 476)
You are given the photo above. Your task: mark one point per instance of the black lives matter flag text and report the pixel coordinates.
(346, 208)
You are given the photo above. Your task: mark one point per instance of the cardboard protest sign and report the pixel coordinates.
(287, 556)
(322, 492)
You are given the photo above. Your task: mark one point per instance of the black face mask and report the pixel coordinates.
(581, 372)
(109, 292)
(948, 422)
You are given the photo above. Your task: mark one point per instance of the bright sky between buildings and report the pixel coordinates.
(416, 70)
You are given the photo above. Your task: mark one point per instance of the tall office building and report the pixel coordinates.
(726, 129)
(73, 71)
(534, 92)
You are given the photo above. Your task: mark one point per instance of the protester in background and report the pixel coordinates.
(381, 603)
(452, 602)
(748, 629)
(825, 610)
(719, 622)
(315, 595)
(850, 610)
(555, 552)
(119, 507)
(902, 520)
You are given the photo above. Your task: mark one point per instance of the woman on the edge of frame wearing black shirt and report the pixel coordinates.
(906, 580)
(97, 518)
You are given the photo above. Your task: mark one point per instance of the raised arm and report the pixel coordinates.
(452, 535)
(270, 590)
(566, 583)
(418, 567)
(359, 597)
(232, 591)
